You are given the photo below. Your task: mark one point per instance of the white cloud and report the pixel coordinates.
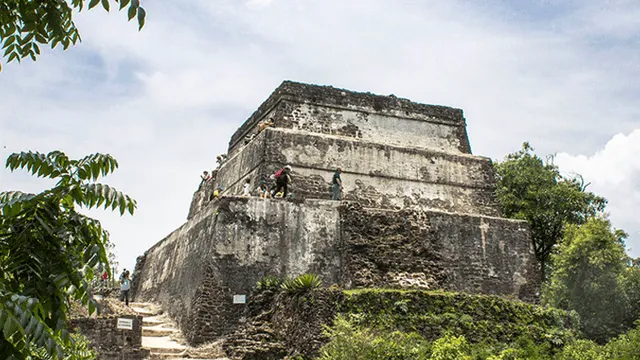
(256, 4)
(165, 100)
(613, 172)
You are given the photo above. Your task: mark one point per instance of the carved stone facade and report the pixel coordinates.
(419, 210)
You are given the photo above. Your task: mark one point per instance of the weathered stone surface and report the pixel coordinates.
(388, 119)
(436, 250)
(228, 246)
(374, 174)
(420, 212)
(108, 341)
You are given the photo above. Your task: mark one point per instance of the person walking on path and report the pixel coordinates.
(126, 286)
(282, 181)
(336, 187)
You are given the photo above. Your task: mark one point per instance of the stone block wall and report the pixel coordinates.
(437, 250)
(376, 175)
(389, 119)
(225, 249)
(108, 340)
(230, 244)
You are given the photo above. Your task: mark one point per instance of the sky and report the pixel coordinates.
(164, 101)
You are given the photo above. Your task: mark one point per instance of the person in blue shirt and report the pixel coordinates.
(336, 185)
(125, 288)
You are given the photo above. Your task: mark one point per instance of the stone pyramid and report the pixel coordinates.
(418, 210)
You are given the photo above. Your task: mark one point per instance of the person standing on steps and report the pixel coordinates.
(282, 181)
(336, 185)
(126, 286)
(205, 177)
(246, 189)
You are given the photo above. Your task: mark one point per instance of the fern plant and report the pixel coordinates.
(49, 252)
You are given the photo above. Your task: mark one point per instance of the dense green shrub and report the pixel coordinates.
(624, 347)
(451, 347)
(354, 342)
(433, 314)
(589, 266)
(351, 342)
(78, 349)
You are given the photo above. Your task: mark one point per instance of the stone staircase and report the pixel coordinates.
(164, 340)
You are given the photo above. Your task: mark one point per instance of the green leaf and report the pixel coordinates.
(142, 14)
(105, 4)
(13, 56)
(132, 11)
(123, 3)
(9, 327)
(93, 3)
(10, 40)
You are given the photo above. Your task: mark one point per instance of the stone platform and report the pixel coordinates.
(230, 244)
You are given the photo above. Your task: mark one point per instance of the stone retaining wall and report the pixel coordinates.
(108, 340)
(229, 245)
(376, 175)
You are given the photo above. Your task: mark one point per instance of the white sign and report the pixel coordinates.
(239, 299)
(125, 324)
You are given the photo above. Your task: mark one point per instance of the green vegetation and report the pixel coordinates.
(49, 252)
(532, 189)
(582, 259)
(433, 314)
(592, 276)
(295, 286)
(350, 341)
(300, 284)
(25, 23)
(269, 282)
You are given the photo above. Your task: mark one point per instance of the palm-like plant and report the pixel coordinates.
(49, 252)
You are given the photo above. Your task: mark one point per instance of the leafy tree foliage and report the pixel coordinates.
(589, 266)
(532, 189)
(49, 252)
(24, 24)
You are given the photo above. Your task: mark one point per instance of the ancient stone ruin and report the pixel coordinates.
(418, 210)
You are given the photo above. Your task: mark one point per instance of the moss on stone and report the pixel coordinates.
(480, 318)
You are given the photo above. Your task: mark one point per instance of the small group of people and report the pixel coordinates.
(282, 179)
(207, 177)
(280, 188)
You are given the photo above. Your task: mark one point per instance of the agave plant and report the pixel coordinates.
(269, 282)
(301, 283)
(49, 252)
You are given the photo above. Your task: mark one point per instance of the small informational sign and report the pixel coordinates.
(125, 324)
(239, 299)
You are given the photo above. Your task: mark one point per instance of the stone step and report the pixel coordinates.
(146, 311)
(162, 344)
(158, 331)
(142, 304)
(165, 355)
(155, 320)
